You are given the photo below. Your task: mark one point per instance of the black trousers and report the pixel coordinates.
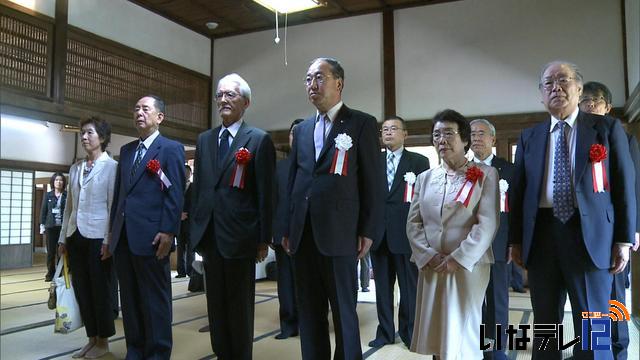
(286, 293)
(185, 254)
(231, 290)
(53, 234)
(91, 278)
(387, 267)
(620, 329)
(320, 280)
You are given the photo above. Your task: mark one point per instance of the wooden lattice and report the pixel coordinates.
(25, 54)
(109, 76)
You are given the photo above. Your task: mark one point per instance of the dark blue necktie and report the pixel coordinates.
(562, 194)
(138, 159)
(223, 148)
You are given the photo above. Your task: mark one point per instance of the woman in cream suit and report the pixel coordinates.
(84, 235)
(452, 221)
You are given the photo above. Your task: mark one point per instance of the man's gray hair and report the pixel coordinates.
(245, 90)
(485, 122)
(578, 75)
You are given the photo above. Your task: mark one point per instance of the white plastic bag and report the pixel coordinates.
(67, 310)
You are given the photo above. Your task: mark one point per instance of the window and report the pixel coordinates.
(16, 194)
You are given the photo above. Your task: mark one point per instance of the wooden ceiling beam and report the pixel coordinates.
(339, 5)
(217, 18)
(170, 17)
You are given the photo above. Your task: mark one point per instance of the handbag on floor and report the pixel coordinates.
(68, 316)
(51, 303)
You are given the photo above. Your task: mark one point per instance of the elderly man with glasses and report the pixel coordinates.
(231, 212)
(573, 209)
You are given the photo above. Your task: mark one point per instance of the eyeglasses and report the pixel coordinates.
(591, 99)
(549, 83)
(478, 134)
(320, 79)
(229, 94)
(447, 135)
(390, 129)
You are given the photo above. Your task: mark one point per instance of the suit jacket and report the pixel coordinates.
(340, 208)
(501, 241)
(605, 217)
(634, 149)
(241, 217)
(184, 224)
(448, 227)
(142, 206)
(279, 221)
(89, 203)
(396, 209)
(49, 201)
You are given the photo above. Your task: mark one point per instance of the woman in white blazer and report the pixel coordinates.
(84, 235)
(452, 221)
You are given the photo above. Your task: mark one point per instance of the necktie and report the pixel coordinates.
(138, 159)
(318, 135)
(562, 195)
(223, 149)
(391, 169)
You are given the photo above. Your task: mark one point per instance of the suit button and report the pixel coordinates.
(123, 213)
(306, 198)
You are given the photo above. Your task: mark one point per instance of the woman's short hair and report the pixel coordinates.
(103, 128)
(53, 179)
(452, 116)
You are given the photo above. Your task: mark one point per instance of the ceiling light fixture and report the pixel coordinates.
(290, 6)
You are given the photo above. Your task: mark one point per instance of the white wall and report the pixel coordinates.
(46, 7)
(278, 92)
(632, 12)
(35, 140)
(136, 27)
(484, 56)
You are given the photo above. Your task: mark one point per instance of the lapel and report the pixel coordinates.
(338, 126)
(126, 161)
(586, 136)
(151, 153)
(240, 140)
(402, 168)
(538, 146)
(213, 145)
(97, 168)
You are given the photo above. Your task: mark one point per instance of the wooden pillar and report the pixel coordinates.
(388, 64)
(60, 49)
(212, 86)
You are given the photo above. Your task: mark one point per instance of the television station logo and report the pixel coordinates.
(595, 333)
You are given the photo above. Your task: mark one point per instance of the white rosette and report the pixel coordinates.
(410, 179)
(340, 158)
(504, 187)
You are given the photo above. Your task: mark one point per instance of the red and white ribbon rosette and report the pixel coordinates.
(243, 156)
(472, 175)
(597, 154)
(504, 200)
(153, 167)
(410, 179)
(341, 156)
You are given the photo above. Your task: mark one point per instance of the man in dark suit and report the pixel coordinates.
(569, 228)
(391, 256)
(495, 309)
(596, 99)
(231, 216)
(144, 221)
(286, 285)
(184, 252)
(335, 208)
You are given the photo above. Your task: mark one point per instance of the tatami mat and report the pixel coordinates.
(26, 325)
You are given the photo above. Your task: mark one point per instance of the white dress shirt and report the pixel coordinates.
(147, 144)
(233, 131)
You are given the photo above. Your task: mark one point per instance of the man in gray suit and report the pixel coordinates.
(231, 216)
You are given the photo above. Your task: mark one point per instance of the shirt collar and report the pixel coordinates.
(149, 140)
(571, 120)
(396, 153)
(486, 161)
(233, 128)
(332, 113)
